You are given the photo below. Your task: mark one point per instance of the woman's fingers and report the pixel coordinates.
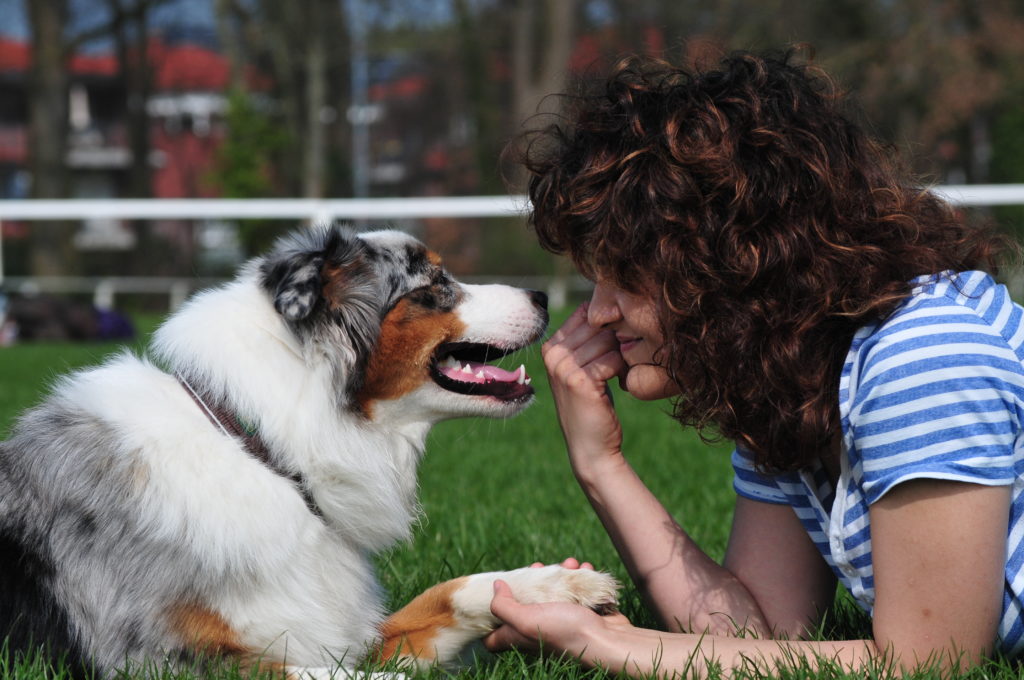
(576, 320)
(567, 563)
(580, 347)
(573, 563)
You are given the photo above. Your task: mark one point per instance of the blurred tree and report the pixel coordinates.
(933, 76)
(544, 32)
(1008, 154)
(243, 165)
(51, 252)
(130, 29)
(930, 74)
(482, 96)
(302, 46)
(49, 82)
(231, 16)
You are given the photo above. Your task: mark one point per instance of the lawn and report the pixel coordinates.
(499, 494)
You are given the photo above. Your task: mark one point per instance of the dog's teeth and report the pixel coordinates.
(480, 374)
(449, 362)
(521, 374)
(527, 381)
(467, 369)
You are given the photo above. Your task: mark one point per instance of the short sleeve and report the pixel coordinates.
(938, 398)
(749, 483)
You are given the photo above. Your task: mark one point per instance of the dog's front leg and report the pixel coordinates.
(438, 624)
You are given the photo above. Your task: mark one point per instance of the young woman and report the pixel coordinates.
(757, 257)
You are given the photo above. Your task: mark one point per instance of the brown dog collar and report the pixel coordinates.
(232, 426)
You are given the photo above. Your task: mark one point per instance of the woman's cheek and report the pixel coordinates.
(648, 382)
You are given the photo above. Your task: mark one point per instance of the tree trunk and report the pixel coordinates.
(231, 43)
(131, 38)
(541, 54)
(48, 132)
(540, 68)
(314, 161)
(281, 22)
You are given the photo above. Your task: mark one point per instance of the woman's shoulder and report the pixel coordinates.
(949, 307)
(967, 289)
(955, 331)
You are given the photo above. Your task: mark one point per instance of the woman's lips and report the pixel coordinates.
(626, 344)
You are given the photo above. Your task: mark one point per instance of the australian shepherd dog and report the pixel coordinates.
(222, 498)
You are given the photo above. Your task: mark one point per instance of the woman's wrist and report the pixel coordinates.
(608, 645)
(593, 471)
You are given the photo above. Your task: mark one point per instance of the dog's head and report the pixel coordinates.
(405, 339)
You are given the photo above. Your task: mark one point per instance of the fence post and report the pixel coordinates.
(103, 296)
(179, 292)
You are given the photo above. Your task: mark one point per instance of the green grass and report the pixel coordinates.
(498, 495)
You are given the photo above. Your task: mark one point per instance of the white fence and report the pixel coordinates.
(313, 211)
(318, 211)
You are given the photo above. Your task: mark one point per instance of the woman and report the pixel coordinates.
(760, 259)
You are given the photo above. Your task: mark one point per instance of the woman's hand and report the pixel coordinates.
(567, 563)
(551, 626)
(580, 360)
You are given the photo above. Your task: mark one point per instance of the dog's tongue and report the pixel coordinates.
(471, 371)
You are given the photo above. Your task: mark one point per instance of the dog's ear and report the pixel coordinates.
(296, 285)
(293, 274)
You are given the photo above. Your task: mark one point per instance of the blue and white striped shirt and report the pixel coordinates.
(934, 391)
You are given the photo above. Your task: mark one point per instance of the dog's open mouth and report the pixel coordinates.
(462, 367)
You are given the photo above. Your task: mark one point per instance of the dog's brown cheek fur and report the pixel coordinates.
(399, 364)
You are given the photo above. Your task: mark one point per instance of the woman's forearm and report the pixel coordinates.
(647, 653)
(687, 589)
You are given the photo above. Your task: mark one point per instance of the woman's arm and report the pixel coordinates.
(686, 588)
(939, 554)
(771, 553)
(611, 642)
(773, 582)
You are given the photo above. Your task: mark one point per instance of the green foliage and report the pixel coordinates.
(245, 165)
(1008, 157)
(244, 160)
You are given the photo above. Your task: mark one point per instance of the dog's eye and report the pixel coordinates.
(424, 297)
(441, 295)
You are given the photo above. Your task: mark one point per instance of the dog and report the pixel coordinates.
(221, 497)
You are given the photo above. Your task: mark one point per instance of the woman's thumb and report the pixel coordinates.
(504, 602)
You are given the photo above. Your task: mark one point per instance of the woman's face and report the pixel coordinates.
(634, 320)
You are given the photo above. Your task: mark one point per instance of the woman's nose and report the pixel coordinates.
(602, 310)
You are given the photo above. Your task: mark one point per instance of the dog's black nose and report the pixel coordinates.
(539, 298)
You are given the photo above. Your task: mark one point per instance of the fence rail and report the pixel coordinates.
(365, 208)
(318, 210)
(315, 211)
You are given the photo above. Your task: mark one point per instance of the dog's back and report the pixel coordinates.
(74, 556)
(30, 615)
(132, 530)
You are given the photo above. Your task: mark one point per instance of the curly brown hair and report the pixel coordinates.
(767, 224)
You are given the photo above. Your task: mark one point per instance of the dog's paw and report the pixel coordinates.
(595, 590)
(436, 626)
